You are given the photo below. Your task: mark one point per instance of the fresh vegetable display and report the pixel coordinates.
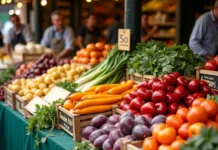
(23, 68)
(110, 71)
(93, 53)
(98, 99)
(156, 59)
(44, 118)
(105, 133)
(155, 97)
(69, 86)
(41, 85)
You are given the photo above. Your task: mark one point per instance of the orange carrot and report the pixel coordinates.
(93, 109)
(128, 91)
(78, 96)
(105, 87)
(121, 88)
(97, 96)
(92, 89)
(95, 102)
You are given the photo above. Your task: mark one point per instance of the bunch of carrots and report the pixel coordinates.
(99, 98)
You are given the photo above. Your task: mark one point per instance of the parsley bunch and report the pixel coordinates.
(69, 86)
(207, 140)
(157, 59)
(7, 75)
(44, 118)
(83, 146)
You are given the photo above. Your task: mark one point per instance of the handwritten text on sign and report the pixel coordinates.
(66, 122)
(124, 39)
(211, 80)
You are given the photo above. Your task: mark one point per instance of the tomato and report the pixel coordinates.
(149, 108)
(85, 60)
(194, 85)
(169, 79)
(216, 60)
(99, 46)
(198, 101)
(211, 123)
(157, 129)
(101, 59)
(136, 104)
(175, 74)
(183, 131)
(174, 121)
(107, 47)
(105, 53)
(150, 144)
(177, 144)
(211, 107)
(159, 85)
(172, 98)
(181, 81)
(93, 54)
(195, 128)
(150, 82)
(197, 114)
(181, 91)
(161, 108)
(144, 93)
(210, 65)
(182, 113)
(68, 104)
(158, 96)
(91, 47)
(167, 135)
(93, 60)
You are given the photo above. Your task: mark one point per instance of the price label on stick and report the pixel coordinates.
(124, 39)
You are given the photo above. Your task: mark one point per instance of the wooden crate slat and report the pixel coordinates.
(127, 144)
(9, 97)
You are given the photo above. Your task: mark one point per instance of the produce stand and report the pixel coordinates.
(9, 97)
(13, 134)
(20, 104)
(26, 58)
(126, 144)
(74, 123)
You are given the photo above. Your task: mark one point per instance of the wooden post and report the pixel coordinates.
(132, 20)
(38, 23)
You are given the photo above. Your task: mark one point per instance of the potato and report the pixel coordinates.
(45, 91)
(34, 85)
(69, 78)
(60, 69)
(29, 96)
(9, 86)
(73, 65)
(40, 79)
(16, 88)
(62, 74)
(82, 68)
(42, 86)
(25, 92)
(38, 93)
(16, 82)
(76, 76)
(72, 72)
(47, 80)
(33, 90)
(21, 93)
(66, 67)
(55, 75)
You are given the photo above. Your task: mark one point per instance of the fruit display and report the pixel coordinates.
(98, 98)
(105, 133)
(93, 53)
(41, 85)
(155, 97)
(23, 68)
(212, 65)
(64, 61)
(187, 129)
(154, 58)
(157, 5)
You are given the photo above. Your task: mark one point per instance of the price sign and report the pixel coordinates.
(31, 106)
(124, 39)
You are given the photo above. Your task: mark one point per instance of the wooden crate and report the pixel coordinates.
(211, 77)
(140, 78)
(20, 104)
(26, 58)
(9, 97)
(127, 144)
(74, 123)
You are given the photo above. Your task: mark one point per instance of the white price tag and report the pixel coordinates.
(56, 93)
(124, 39)
(31, 106)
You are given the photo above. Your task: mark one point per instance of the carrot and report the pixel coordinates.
(78, 96)
(95, 102)
(135, 86)
(105, 92)
(86, 96)
(121, 88)
(123, 82)
(92, 89)
(93, 109)
(97, 96)
(128, 91)
(105, 87)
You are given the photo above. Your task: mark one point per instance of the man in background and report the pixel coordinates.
(113, 30)
(89, 33)
(18, 34)
(59, 37)
(204, 36)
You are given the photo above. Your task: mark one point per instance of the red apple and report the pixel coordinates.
(149, 108)
(159, 85)
(169, 79)
(158, 96)
(172, 98)
(161, 108)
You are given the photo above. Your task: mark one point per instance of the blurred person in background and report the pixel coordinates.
(145, 33)
(1, 39)
(204, 36)
(18, 34)
(59, 37)
(113, 30)
(89, 33)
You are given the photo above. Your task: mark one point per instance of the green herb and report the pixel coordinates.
(157, 59)
(83, 146)
(6, 75)
(44, 118)
(206, 140)
(69, 86)
(213, 97)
